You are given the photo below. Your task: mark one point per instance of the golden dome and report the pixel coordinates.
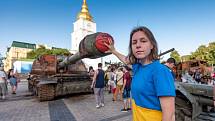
(84, 12)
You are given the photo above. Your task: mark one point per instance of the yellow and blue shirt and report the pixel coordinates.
(149, 82)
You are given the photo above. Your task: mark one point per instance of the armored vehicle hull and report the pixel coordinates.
(47, 86)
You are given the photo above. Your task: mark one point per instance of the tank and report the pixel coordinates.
(194, 101)
(57, 75)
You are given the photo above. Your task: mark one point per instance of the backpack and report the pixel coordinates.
(106, 77)
(112, 77)
(198, 76)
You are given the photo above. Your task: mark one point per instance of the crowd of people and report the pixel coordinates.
(200, 77)
(10, 78)
(116, 81)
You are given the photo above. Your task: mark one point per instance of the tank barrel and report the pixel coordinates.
(70, 59)
(163, 53)
(91, 46)
(205, 101)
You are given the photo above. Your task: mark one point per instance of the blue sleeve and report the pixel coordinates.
(164, 82)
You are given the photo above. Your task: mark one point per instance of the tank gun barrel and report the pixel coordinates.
(91, 46)
(163, 53)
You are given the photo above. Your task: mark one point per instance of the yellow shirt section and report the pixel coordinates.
(144, 114)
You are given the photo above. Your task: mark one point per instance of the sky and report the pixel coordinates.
(180, 24)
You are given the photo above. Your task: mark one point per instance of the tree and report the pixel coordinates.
(205, 53)
(200, 53)
(210, 55)
(43, 51)
(174, 54)
(186, 58)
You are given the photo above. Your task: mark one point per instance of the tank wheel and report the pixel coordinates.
(46, 92)
(183, 110)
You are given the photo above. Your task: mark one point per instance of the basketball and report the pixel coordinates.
(100, 40)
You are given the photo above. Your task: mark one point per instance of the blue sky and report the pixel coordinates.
(182, 24)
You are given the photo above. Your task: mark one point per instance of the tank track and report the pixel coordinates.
(183, 112)
(209, 116)
(46, 92)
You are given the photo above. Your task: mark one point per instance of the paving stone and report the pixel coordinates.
(25, 107)
(84, 108)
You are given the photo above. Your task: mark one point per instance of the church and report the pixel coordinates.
(84, 25)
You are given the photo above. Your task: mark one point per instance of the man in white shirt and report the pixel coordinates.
(2, 83)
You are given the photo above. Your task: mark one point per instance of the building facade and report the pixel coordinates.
(18, 50)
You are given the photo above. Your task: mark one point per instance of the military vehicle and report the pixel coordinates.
(194, 101)
(56, 75)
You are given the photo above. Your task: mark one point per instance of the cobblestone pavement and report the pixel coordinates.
(25, 107)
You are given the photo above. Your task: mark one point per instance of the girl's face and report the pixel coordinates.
(11, 73)
(141, 45)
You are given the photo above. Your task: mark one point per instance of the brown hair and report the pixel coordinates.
(154, 52)
(99, 64)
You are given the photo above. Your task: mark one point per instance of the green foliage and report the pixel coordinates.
(26, 59)
(174, 54)
(186, 58)
(210, 56)
(200, 53)
(43, 51)
(206, 53)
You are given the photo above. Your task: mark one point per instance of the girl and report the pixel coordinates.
(152, 88)
(13, 80)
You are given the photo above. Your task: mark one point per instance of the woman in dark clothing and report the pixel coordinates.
(13, 80)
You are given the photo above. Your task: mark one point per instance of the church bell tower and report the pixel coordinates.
(84, 25)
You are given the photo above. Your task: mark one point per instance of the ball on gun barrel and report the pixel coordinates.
(101, 39)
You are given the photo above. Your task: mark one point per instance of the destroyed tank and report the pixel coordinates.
(55, 75)
(194, 101)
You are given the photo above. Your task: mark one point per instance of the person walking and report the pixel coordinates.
(91, 72)
(126, 89)
(98, 86)
(3, 81)
(119, 83)
(107, 78)
(152, 88)
(113, 82)
(13, 80)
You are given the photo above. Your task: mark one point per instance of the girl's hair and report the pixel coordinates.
(90, 68)
(127, 68)
(9, 76)
(154, 51)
